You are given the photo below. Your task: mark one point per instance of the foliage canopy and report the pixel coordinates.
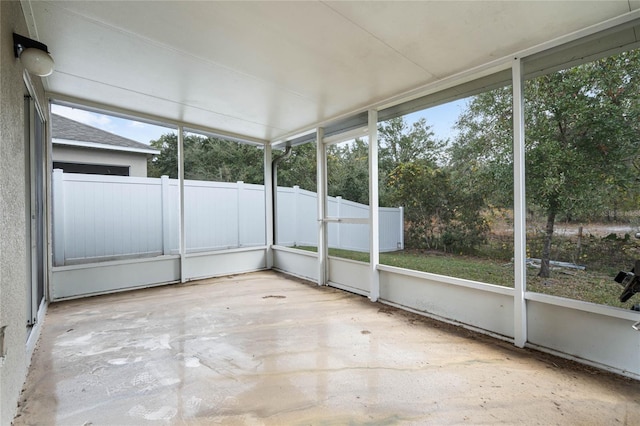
(582, 141)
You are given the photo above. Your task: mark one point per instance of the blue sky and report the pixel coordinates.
(441, 119)
(141, 132)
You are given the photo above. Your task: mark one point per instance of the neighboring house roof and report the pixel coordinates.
(72, 133)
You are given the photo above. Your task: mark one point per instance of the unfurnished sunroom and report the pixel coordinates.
(472, 162)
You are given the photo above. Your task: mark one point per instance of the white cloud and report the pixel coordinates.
(137, 124)
(89, 118)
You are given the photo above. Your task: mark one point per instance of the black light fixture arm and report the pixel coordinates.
(21, 42)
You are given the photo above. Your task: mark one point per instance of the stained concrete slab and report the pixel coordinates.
(262, 348)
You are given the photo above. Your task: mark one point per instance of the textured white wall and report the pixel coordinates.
(13, 244)
(137, 163)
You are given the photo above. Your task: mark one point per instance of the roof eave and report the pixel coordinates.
(95, 145)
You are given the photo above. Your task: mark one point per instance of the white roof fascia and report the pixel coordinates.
(95, 145)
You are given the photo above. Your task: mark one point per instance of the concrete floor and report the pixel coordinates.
(265, 349)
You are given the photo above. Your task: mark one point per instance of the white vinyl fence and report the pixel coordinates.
(97, 218)
(297, 222)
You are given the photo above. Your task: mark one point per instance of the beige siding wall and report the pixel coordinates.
(13, 241)
(137, 163)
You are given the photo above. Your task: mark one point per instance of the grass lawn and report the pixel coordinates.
(588, 286)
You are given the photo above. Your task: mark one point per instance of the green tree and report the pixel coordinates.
(165, 163)
(582, 137)
(348, 171)
(208, 159)
(401, 143)
(482, 153)
(299, 168)
(439, 214)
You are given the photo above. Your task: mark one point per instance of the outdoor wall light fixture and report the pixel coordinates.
(33, 55)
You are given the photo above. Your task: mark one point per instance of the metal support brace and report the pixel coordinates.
(269, 206)
(519, 207)
(374, 211)
(183, 239)
(322, 207)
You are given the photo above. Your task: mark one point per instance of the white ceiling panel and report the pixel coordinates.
(265, 69)
(296, 46)
(449, 37)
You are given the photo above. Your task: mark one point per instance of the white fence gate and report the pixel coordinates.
(297, 222)
(98, 217)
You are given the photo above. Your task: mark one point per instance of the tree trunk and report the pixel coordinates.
(545, 272)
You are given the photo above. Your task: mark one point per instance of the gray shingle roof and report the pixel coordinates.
(65, 128)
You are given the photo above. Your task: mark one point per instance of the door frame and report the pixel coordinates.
(36, 209)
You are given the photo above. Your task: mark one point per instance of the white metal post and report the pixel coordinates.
(338, 240)
(321, 183)
(374, 211)
(240, 194)
(183, 239)
(519, 207)
(401, 228)
(166, 214)
(58, 217)
(296, 215)
(270, 214)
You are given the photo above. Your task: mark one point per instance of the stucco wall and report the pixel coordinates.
(137, 163)
(13, 257)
